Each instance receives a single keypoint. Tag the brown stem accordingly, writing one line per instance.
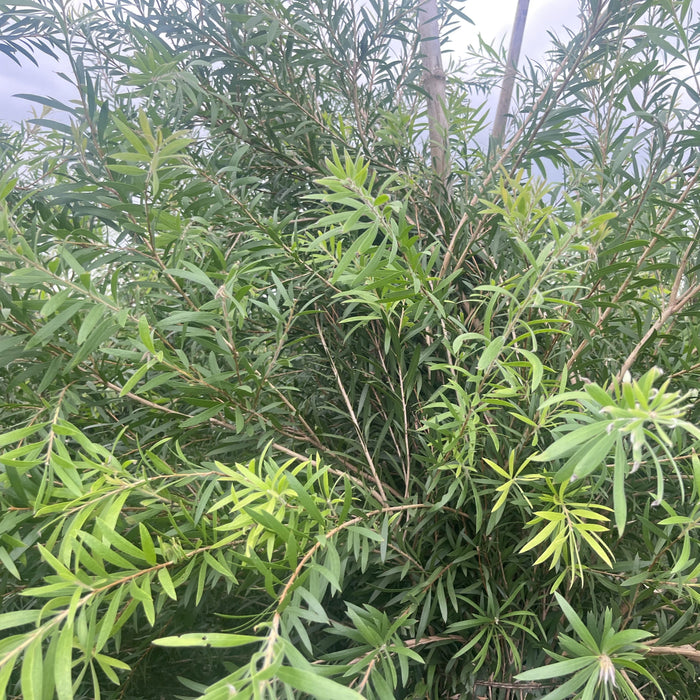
(634, 688)
(674, 306)
(687, 650)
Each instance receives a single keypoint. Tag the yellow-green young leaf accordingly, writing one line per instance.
(596, 545)
(89, 323)
(32, 674)
(589, 514)
(20, 434)
(684, 557)
(496, 468)
(147, 601)
(207, 639)
(9, 566)
(135, 377)
(490, 353)
(555, 515)
(502, 498)
(147, 546)
(145, 334)
(676, 520)
(17, 619)
(316, 685)
(167, 583)
(108, 620)
(619, 500)
(523, 418)
(542, 535)
(63, 664)
(108, 664)
(6, 670)
(553, 550)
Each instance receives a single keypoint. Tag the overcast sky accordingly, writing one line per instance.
(492, 19)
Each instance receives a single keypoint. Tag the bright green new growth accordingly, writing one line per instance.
(284, 415)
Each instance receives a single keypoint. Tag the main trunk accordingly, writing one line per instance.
(434, 83)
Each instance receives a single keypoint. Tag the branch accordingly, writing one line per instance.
(353, 417)
(687, 650)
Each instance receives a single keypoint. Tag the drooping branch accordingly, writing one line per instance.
(516, 40)
(435, 84)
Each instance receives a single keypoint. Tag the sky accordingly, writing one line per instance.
(492, 19)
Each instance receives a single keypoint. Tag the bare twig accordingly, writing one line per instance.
(687, 650)
(353, 417)
(636, 692)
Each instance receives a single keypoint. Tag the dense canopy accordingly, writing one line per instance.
(287, 409)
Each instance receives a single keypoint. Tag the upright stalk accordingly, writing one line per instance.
(516, 40)
(435, 83)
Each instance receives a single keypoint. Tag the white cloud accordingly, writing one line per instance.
(494, 19)
(42, 80)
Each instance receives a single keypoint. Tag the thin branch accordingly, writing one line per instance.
(674, 306)
(353, 417)
(636, 692)
(642, 259)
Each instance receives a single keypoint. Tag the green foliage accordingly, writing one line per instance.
(282, 416)
(599, 666)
